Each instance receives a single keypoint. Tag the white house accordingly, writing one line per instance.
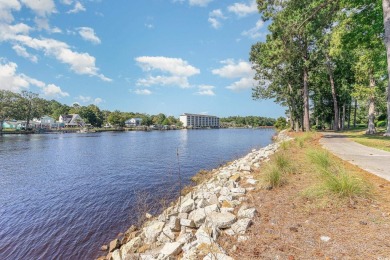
(72, 120)
(133, 122)
(44, 122)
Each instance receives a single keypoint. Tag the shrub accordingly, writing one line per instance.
(381, 124)
(283, 163)
(273, 176)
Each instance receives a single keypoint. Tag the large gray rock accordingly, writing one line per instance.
(174, 224)
(245, 212)
(166, 236)
(116, 255)
(241, 226)
(187, 223)
(187, 206)
(131, 246)
(238, 190)
(198, 216)
(204, 235)
(153, 231)
(211, 208)
(171, 249)
(221, 220)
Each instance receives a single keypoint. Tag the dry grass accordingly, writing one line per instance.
(290, 223)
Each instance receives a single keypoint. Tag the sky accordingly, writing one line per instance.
(147, 56)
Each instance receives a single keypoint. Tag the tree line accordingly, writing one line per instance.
(28, 105)
(240, 121)
(326, 61)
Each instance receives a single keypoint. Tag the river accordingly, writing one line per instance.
(64, 195)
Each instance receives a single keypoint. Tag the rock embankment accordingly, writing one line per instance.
(189, 229)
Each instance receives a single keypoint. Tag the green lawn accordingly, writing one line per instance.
(377, 141)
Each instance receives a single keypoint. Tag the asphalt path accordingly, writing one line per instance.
(370, 159)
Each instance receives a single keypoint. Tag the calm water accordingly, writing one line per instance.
(63, 196)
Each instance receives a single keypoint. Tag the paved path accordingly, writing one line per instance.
(370, 159)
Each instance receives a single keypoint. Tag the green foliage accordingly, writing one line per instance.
(238, 121)
(381, 124)
(273, 177)
(335, 179)
(275, 173)
(280, 123)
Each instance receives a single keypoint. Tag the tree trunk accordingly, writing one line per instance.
(371, 108)
(1, 126)
(343, 118)
(306, 118)
(334, 95)
(349, 114)
(386, 21)
(354, 114)
(291, 118)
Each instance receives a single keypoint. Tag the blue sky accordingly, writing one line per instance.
(151, 56)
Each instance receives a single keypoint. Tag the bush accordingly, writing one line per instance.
(280, 123)
(335, 179)
(381, 124)
(273, 177)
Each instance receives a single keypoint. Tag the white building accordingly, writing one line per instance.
(72, 120)
(133, 122)
(198, 121)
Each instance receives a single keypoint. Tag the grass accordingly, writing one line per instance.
(335, 179)
(305, 156)
(277, 171)
(376, 141)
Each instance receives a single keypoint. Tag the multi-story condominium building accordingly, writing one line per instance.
(199, 121)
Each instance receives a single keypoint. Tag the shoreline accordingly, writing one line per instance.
(191, 225)
(72, 131)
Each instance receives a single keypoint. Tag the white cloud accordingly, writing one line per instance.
(164, 81)
(78, 7)
(6, 8)
(40, 7)
(84, 99)
(43, 24)
(88, 34)
(254, 32)
(241, 9)
(233, 70)
(176, 71)
(201, 3)
(11, 80)
(149, 25)
(205, 90)
(214, 18)
(173, 66)
(80, 63)
(67, 2)
(52, 90)
(143, 92)
(243, 83)
(22, 52)
(98, 100)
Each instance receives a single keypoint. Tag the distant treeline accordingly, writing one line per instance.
(240, 121)
(27, 105)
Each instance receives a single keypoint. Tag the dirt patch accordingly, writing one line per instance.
(291, 225)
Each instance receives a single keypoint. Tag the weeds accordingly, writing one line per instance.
(335, 179)
(273, 176)
(276, 171)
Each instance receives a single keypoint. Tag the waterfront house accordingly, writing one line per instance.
(133, 122)
(199, 121)
(44, 122)
(72, 120)
(15, 125)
